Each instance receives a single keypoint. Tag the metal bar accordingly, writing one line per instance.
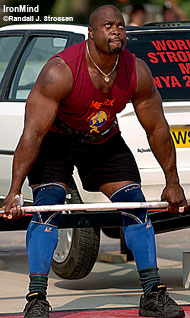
(95, 206)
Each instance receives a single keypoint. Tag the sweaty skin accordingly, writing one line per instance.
(106, 40)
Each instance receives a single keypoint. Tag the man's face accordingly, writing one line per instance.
(109, 32)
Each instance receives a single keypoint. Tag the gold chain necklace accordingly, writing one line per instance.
(106, 78)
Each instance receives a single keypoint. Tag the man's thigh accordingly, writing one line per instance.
(54, 162)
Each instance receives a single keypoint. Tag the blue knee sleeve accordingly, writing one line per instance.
(138, 230)
(131, 193)
(52, 193)
(41, 241)
(42, 233)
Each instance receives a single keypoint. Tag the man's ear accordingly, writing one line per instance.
(90, 32)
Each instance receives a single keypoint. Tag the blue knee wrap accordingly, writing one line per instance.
(42, 233)
(131, 193)
(52, 193)
(138, 230)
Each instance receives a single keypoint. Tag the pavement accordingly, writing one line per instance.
(109, 285)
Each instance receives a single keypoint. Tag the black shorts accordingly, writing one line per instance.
(111, 161)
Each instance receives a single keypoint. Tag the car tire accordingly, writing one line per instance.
(77, 248)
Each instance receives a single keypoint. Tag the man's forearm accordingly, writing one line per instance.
(25, 155)
(162, 146)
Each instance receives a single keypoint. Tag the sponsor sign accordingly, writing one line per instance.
(168, 56)
(181, 137)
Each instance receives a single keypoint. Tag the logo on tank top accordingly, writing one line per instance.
(98, 119)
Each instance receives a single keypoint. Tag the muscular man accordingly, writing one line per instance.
(71, 120)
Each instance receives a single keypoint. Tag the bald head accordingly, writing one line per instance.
(107, 30)
(102, 13)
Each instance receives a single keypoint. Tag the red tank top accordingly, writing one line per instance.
(86, 108)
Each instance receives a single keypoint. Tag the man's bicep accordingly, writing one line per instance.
(150, 113)
(40, 112)
(147, 100)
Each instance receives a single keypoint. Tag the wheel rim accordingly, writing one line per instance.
(64, 245)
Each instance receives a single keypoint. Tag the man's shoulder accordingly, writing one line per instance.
(128, 59)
